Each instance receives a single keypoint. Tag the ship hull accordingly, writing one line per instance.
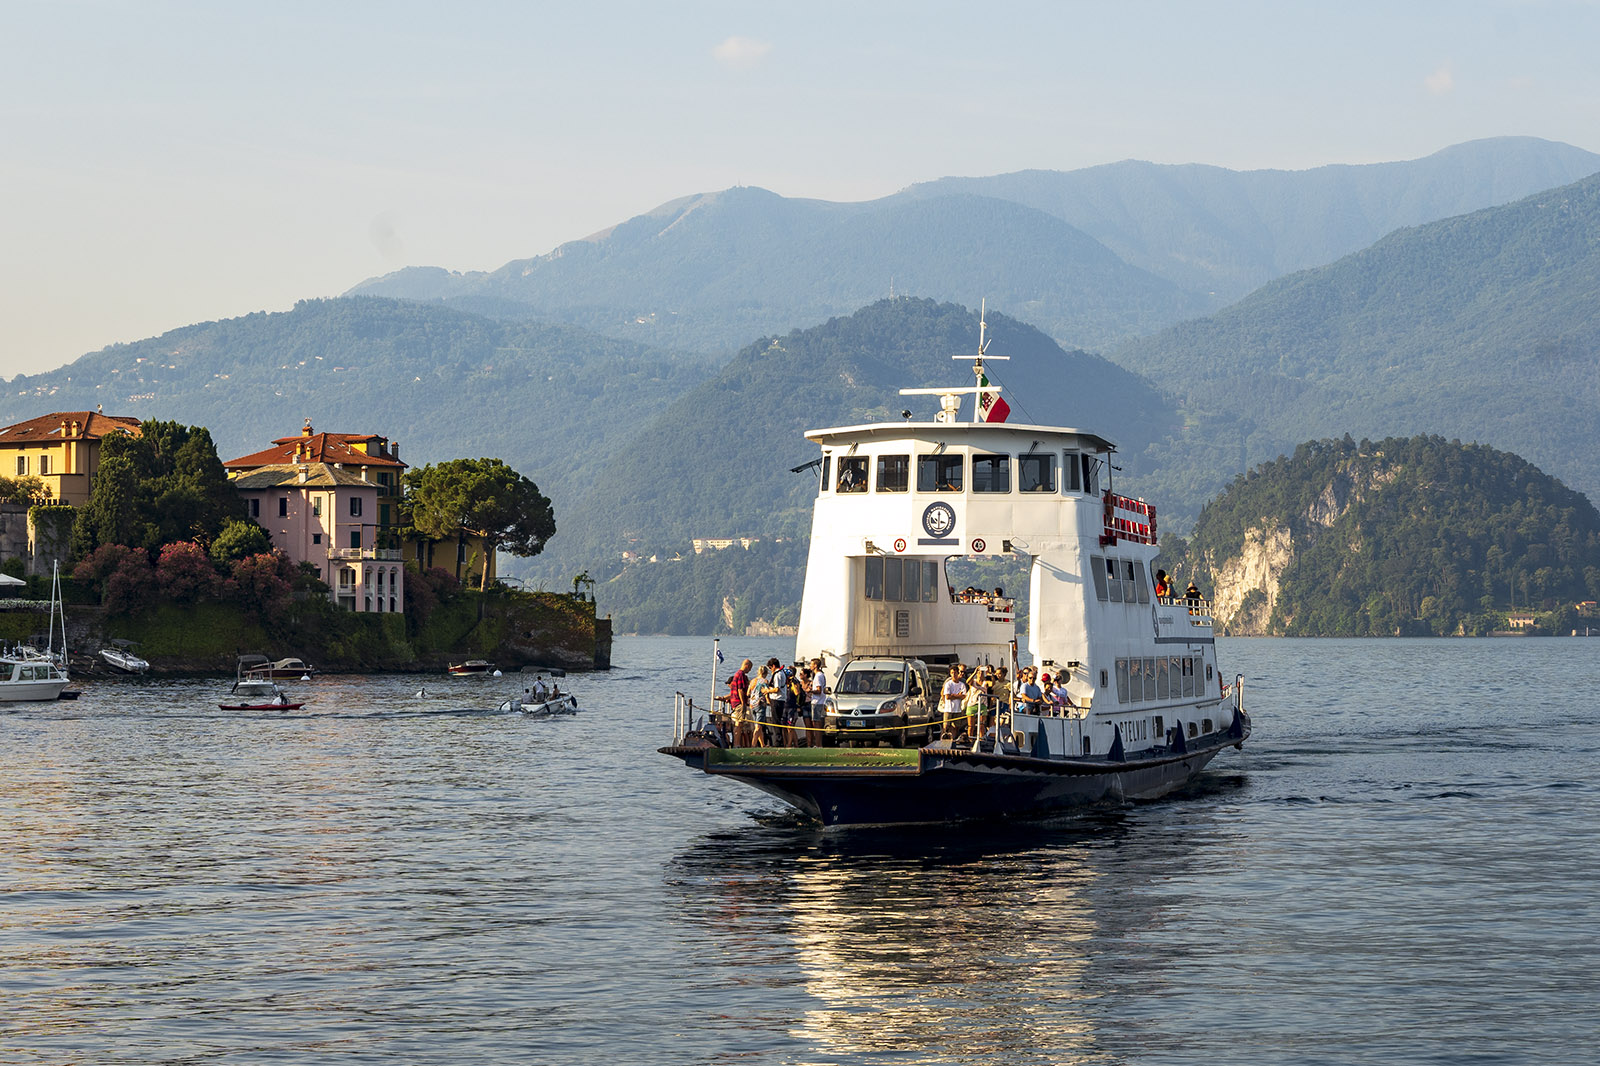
(934, 785)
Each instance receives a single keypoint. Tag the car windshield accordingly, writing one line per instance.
(872, 683)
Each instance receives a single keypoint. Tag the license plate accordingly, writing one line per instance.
(851, 724)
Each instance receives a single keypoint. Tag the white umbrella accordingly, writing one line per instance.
(7, 579)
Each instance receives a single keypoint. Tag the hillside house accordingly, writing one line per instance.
(325, 515)
(62, 449)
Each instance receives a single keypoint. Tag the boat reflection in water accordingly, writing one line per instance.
(1043, 943)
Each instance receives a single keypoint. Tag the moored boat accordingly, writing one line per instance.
(470, 668)
(120, 656)
(279, 670)
(27, 678)
(1142, 707)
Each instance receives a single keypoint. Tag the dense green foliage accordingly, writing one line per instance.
(1406, 536)
(1483, 327)
(483, 497)
(162, 486)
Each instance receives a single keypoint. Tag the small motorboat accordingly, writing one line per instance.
(565, 703)
(470, 668)
(120, 656)
(259, 694)
(282, 669)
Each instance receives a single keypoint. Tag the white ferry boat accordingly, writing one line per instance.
(1147, 707)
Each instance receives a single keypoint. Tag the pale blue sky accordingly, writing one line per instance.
(163, 163)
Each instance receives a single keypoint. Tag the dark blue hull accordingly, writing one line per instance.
(947, 785)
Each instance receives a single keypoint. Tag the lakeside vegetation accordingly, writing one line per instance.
(1405, 536)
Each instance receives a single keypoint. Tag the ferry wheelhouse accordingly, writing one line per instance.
(1147, 708)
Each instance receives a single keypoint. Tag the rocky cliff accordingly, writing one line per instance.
(1405, 536)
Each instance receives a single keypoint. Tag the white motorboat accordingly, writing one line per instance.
(548, 707)
(27, 676)
(120, 656)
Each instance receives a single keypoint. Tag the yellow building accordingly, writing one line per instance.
(61, 449)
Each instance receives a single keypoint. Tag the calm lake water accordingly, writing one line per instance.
(1401, 867)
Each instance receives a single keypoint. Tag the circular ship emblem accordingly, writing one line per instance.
(939, 519)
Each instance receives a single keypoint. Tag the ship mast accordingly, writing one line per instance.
(950, 398)
(981, 384)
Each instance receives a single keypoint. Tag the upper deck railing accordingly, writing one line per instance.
(1128, 519)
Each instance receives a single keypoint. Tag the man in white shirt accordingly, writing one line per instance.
(952, 695)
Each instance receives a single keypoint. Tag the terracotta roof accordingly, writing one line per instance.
(319, 448)
(318, 476)
(46, 429)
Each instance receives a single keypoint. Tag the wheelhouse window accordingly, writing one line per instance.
(827, 468)
(1080, 473)
(939, 473)
(991, 473)
(894, 473)
(1036, 473)
(852, 473)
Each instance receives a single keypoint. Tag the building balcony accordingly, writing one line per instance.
(381, 555)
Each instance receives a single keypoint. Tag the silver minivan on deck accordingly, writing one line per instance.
(881, 700)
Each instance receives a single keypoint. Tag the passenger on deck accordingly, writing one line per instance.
(1192, 594)
(1059, 698)
(755, 703)
(777, 702)
(976, 701)
(818, 690)
(1028, 695)
(952, 696)
(1163, 586)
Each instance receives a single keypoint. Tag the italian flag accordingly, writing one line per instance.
(991, 405)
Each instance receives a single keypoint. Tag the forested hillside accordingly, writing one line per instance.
(445, 384)
(1404, 536)
(717, 462)
(1483, 327)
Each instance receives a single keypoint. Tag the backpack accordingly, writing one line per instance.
(797, 695)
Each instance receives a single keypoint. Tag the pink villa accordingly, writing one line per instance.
(331, 500)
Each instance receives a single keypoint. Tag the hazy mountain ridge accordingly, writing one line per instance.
(1112, 252)
(1482, 327)
(714, 270)
(1211, 229)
